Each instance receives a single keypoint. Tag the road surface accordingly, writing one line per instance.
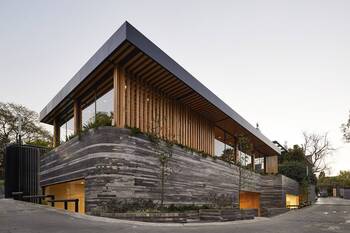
(328, 215)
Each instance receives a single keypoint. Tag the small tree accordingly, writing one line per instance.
(244, 147)
(164, 152)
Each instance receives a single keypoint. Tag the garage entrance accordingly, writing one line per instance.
(249, 200)
(68, 190)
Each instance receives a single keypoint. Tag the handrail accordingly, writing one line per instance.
(19, 194)
(40, 197)
(65, 201)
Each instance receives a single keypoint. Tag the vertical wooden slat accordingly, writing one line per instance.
(138, 92)
(119, 97)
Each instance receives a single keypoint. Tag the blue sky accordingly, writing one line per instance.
(284, 64)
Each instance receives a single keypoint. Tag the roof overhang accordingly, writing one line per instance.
(128, 34)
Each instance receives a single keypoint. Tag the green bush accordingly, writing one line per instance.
(101, 119)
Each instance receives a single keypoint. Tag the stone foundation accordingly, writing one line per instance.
(123, 171)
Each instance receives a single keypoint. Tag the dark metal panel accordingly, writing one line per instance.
(22, 169)
(107, 49)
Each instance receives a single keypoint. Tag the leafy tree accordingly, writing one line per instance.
(344, 178)
(294, 164)
(31, 130)
(345, 127)
(293, 169)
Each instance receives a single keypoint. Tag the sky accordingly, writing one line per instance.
(283, 64)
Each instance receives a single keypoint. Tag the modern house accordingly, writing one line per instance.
(132, 85)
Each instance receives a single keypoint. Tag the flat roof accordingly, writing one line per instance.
(128, 33)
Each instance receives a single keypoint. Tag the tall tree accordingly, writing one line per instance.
(316, 148)
(345, 127)
(31, 130)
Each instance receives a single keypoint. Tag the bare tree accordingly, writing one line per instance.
(316, 148)
(346, 130)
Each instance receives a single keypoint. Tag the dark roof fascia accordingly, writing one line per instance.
(102, 53)
(129, 33)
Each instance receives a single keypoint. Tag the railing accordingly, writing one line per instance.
(19, 196)
(65, 201)
(39, 197)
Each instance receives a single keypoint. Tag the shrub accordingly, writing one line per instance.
(101, 119)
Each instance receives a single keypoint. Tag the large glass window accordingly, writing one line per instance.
(245, 159)
(219, 147)
(259, 164)
(99, 112)
(88, 115)
(104, 104)
(223, 145)
(67, 130)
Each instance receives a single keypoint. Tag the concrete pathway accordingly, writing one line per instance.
(328, 215)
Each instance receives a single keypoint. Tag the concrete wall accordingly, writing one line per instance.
(119, 167)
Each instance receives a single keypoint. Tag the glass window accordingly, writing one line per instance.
(88, 115)
(219, 147)
(104, 104)
(67, 130)
(259, 164)
(245, 159)
(102, 109)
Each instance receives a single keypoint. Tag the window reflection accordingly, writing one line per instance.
(219, 148)
(259, 164)
(99, 112)
(67, 130)
(104, 104)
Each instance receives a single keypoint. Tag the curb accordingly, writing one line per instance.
(129, 222)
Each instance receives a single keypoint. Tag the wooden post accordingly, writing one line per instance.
(236, 151)
(56, 133)
(77, 116)
(119, 97)
(253, 162)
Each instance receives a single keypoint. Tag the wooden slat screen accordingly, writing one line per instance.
(141, 106)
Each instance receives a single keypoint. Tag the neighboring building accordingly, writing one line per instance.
(130, 81)
(346, 193)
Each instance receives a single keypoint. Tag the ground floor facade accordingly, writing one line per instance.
(111, 169)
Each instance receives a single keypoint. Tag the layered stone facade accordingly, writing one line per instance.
(118, 166)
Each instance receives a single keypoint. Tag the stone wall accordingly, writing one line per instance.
(119, 168)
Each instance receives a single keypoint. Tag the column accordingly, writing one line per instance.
(56, 133)
(119, 97)
(77, 116)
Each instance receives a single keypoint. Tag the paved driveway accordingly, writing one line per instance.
(329, 215)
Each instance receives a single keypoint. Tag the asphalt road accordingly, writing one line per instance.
(328, 215)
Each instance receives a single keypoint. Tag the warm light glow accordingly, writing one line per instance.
(292, 201)
(68, 190)
(249, 200)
